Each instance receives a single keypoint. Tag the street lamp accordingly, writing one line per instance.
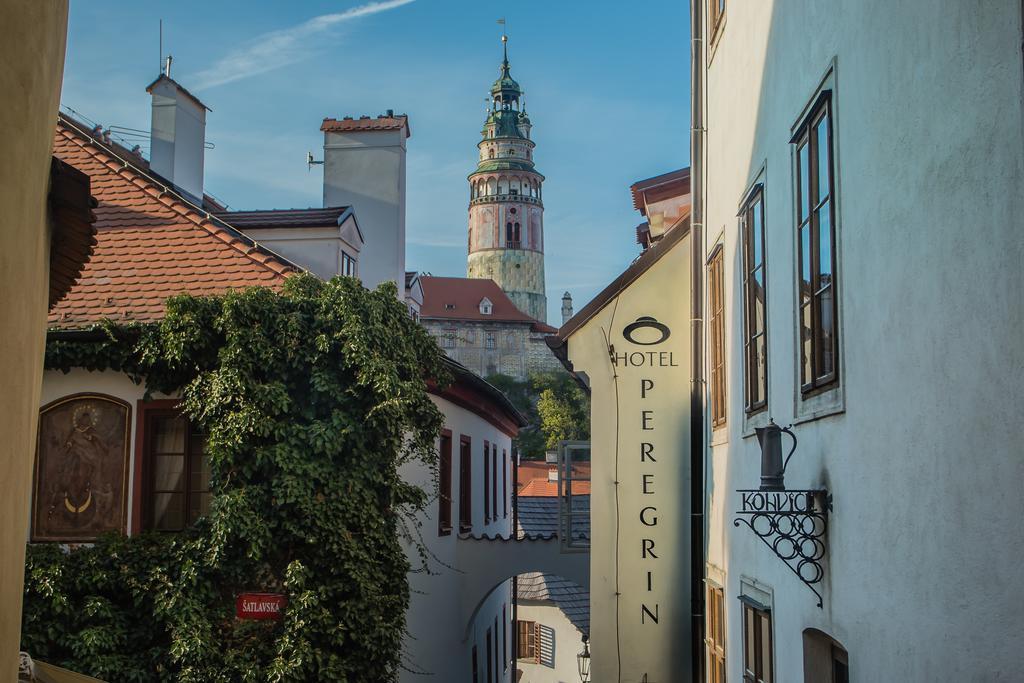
(583, 661)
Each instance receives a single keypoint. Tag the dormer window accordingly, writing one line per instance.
(449, 307)
(485, 306)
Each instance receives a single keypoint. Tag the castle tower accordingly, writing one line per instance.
(506, 214)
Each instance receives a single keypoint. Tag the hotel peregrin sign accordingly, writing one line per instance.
(653, 388)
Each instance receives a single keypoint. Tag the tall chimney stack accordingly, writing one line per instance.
(177, 135)
(364, 168)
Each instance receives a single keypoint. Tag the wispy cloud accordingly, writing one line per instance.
(276, 49)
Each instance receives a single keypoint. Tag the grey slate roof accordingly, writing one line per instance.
(570, 598)
(538, 516)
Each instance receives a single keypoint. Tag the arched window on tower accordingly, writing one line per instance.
(503, 186)
(516, 237)
(490, 153)
(514, 189)
(491, 185)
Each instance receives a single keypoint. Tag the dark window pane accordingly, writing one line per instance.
(826, 313)
(766, 649)
(756, 235)
(198, 505)
(824, 167)
(803, 172)
(168, 473)
(757, 295)
(825, 245)
(806, 373)
(200, 472)
(168, 511)
(169, 435)
(760, 370)
(805, 263)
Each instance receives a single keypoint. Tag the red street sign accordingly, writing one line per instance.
(260, 605)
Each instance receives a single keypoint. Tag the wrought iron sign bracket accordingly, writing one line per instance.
(792, 523)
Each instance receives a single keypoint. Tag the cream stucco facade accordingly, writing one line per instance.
(32, 41)
(639, 378)
(917, 440)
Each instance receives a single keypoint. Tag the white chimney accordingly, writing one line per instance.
(364, 168)
(177, 135)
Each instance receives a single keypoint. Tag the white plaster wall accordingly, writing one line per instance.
(924, 556)
(438, 642)
(366, 170)
(618, 571)
(568, 644)
(316, 249)
(57, 385)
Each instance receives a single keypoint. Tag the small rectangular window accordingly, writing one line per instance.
(444, 485)
(526, 644)
(715, 636)
(494, 482)
(348, 264)
(487, 482)
(716, 325)
(758, 664)
(465, 485)
(489, 341)
(815, 218)
(490, 657)
(755, 287)
(449, 339)
(504, 482)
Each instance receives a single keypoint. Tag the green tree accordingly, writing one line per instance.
(554, 404)
(312, 399)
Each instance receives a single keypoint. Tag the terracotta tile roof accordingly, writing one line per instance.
(458, 298)
(284, 218)
(387, 121)
(533, 479)
(151, 243)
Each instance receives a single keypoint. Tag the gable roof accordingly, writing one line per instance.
(458, 298)
(151, 243)
(659, 187)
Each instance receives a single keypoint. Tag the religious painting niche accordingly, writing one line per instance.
(81, 469)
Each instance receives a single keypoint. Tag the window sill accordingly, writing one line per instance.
(720, 434)
(820, 404)
(752, 421)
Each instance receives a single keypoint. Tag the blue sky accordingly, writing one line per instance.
(607, 88)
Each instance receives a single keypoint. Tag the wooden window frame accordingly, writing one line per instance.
(465, 484)
(487, 482)
(527, 642)
(716, 329)
(715, 635)
(148, 413)
(755, 669)
(818, 380)
(444, 483)
(754, 385)
(716, 16)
